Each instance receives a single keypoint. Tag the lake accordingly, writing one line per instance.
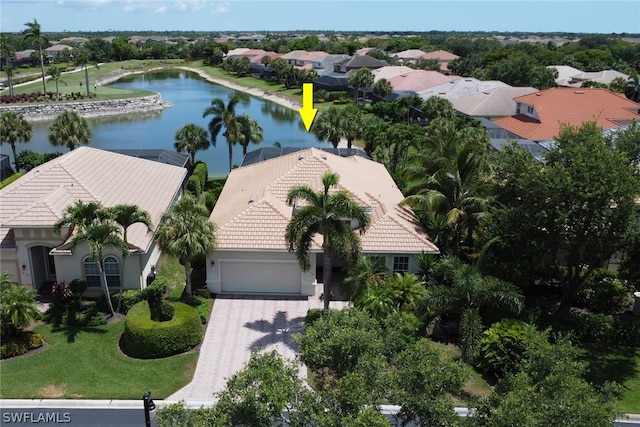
(189, 95)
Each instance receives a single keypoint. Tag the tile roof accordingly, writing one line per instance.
(556, 106)
(418, 80)
(456, 89)
(410, 54)
(390, 72)
(252, 213)
(495, 102)
(441, 55)
(40, 197)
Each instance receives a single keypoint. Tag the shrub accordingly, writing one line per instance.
(210, 200)
(77, 313)
(203, 308)
(78, 286)
(130, 297)
(194, 186)
(61, 293)
(599, 328)
(147, 339)
(605, 293)
(201, 172)
(20, 344)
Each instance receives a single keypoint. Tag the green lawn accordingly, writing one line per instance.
(86, 363)
(619, 364)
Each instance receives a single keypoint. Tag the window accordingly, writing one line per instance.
(400, 264)
(91, 273)
(529, 109)
(112, 271)
(518, 106)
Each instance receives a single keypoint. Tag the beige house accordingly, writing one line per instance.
(252, 215)
(34, 255)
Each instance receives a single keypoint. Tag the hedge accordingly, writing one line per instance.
(147, 339)
(194, 186)
(201, 172)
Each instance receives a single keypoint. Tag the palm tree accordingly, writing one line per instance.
(9, 72)
(34, 37)
(365, 272)
(250, 132)
(56, 75)
(191, 138)
(83, 60)
(14, 128)
(352, 124)
(186, 233)
(325, 213)
(224, 116)
(125, 216)
(328, 125)
(101, 235)
(6, 51)
(459, 289)
(361, 79)
(632, 90)
(382, 88)
(69, 130)
(80, 215)
(18, 305)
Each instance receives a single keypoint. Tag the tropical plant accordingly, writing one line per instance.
(325, 213)
(456, 288)
(18, 306)
(9, 72)
(55, 74)
(250, 132)
(186, 233)
(14, 128)
(329, 125)
(391, 294)
(352, 124)
(34, 37)
(366, 271)
(382, 88)
(361, 79)
(69, 130)
(125, 216)
(83, 59)
(191, 138)
(224, 116)
(632, 89)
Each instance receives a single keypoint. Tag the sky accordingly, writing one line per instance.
(582, 16)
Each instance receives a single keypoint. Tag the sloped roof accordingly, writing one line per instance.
(390, 72)
(365, 61)
(410, 54)
(557, 106)
(40, 197)
(418, 80)
(496, 102)
(564, 74)
(604, 76)
(252, 213)
(441, 55)
(456, 89)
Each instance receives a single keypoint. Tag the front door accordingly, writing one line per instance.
(43, 266)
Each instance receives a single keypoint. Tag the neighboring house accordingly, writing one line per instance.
(325, 64)
(538, 116)
(303, 60)
(564, 74)
(51, 51)
(76, 40)
(573, 77)
(410, 56)
(460, 88)
(252, 215)
(357, 62)
(34, 255)
(27, 57)
(255, 55)
(419, 80)
(443, 57)
(390, 72)
(493, 103)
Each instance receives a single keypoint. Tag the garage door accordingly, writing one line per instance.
(260, 277)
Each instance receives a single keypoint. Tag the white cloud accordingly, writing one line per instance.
(181, 6)
(161, 9)
(219, 8)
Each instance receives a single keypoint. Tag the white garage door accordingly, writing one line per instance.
(260, 277)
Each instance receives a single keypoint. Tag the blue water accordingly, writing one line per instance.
(189, 95)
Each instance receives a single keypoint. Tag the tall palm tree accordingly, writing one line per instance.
(125, 216)
(9, 72)
(69, 130)
(101, 235)
(329, 125)
(14, 128)
(382, 88)
(186, 233)
(55, 73)
(224, 116)
(83, 59)
(459, 289)
(324, 213)
(250, 132)
(632, 90)
(361, 79)
(34, 37)
(6, 51)
(352, 124)
(191, 138)
(80, 215)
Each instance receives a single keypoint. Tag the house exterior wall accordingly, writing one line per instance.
(9, 262)
(27, 238)
(214, 279)
(413, 267)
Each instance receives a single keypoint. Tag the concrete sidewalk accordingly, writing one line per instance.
(240, 325)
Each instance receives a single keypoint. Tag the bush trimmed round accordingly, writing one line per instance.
(147, 339)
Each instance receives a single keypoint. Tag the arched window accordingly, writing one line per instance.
(112, 271)
(91, 272)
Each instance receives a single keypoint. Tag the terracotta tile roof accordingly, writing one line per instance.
(553, 107)
(410, 54)
(251, 212)
(40, 197)
(441, 55)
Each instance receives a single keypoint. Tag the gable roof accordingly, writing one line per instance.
(556, 106)
(418, 80)
(410, 54)
(441, 55)
(252, 213)
(456, 89)
(40, 197)
(494, 102)
(365, 61)
(390, 71)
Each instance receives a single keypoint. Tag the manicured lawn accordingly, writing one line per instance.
(169, 268)
(619, 364)
(86, 363)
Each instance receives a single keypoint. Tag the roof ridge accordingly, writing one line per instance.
(252, 206)
(401, 225)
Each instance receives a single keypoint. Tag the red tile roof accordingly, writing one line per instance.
(553, 107)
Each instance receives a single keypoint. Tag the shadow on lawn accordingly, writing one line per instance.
(71, 332)
(606, 363)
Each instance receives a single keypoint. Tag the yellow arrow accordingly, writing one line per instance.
(307, 112)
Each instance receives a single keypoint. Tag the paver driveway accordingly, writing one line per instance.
(238, 326)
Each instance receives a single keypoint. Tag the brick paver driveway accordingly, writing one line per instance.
(238, 326)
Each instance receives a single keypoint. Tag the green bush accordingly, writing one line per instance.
(130, 297)
(147, 339)
(194, 186)
(203, 308)
(76, 313)
(605, 293)
(600, 328)
(210, 200)
(78, 286)
(201, 172)
(20, 344)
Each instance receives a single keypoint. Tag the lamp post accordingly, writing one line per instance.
(149, 407)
